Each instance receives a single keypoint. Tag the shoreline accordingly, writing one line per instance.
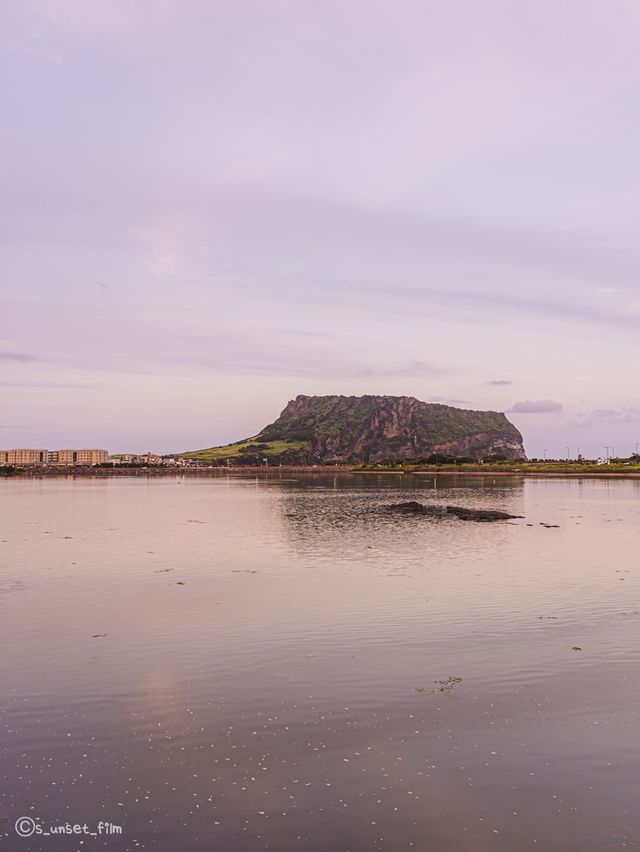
(165, 470)
(535, 473)
(333, 470)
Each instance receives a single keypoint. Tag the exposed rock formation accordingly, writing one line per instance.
(369, 429)
(461, 512)
(377, 428)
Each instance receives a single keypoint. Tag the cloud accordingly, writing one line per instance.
(16, 357)
(44, 384)
(442, 400)
(535, 406)
(413, 368)
(183, 342)
(608, 415)
(567, 313)
(499, 382)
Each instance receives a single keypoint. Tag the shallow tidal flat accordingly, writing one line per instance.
(281, 663)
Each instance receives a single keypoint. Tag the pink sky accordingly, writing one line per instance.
(210, 208)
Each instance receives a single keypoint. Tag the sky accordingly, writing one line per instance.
(209, 208)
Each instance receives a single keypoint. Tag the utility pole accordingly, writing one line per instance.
(545, 454)
(568, 453)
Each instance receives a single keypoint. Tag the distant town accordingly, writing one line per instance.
(81, 458)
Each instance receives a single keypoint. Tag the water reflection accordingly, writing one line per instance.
(255, 664)
(353, 508)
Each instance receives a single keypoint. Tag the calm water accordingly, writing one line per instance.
(244, 665)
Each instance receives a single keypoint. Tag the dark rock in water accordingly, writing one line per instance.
(412, 507)
(480, 514)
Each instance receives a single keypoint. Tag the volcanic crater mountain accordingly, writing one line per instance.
(371, 429)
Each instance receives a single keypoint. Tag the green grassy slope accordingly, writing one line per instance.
(249, 451)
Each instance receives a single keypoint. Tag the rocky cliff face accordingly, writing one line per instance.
(378, 428)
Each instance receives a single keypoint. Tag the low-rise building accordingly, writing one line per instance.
(61, 456)
(26, 457)
(31, 457)
(141, 458)
(129, 458)
(153, 458)
(91, 456)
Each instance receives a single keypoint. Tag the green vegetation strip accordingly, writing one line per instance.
(250, 446)
(502, 467)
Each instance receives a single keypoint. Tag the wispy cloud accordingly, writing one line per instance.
(535, 406)
(16, 357)
(469, 301)
(45, 384)
(182, 342)
(608, 415)
(499, 382)
(443, 400)
(410, 369)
